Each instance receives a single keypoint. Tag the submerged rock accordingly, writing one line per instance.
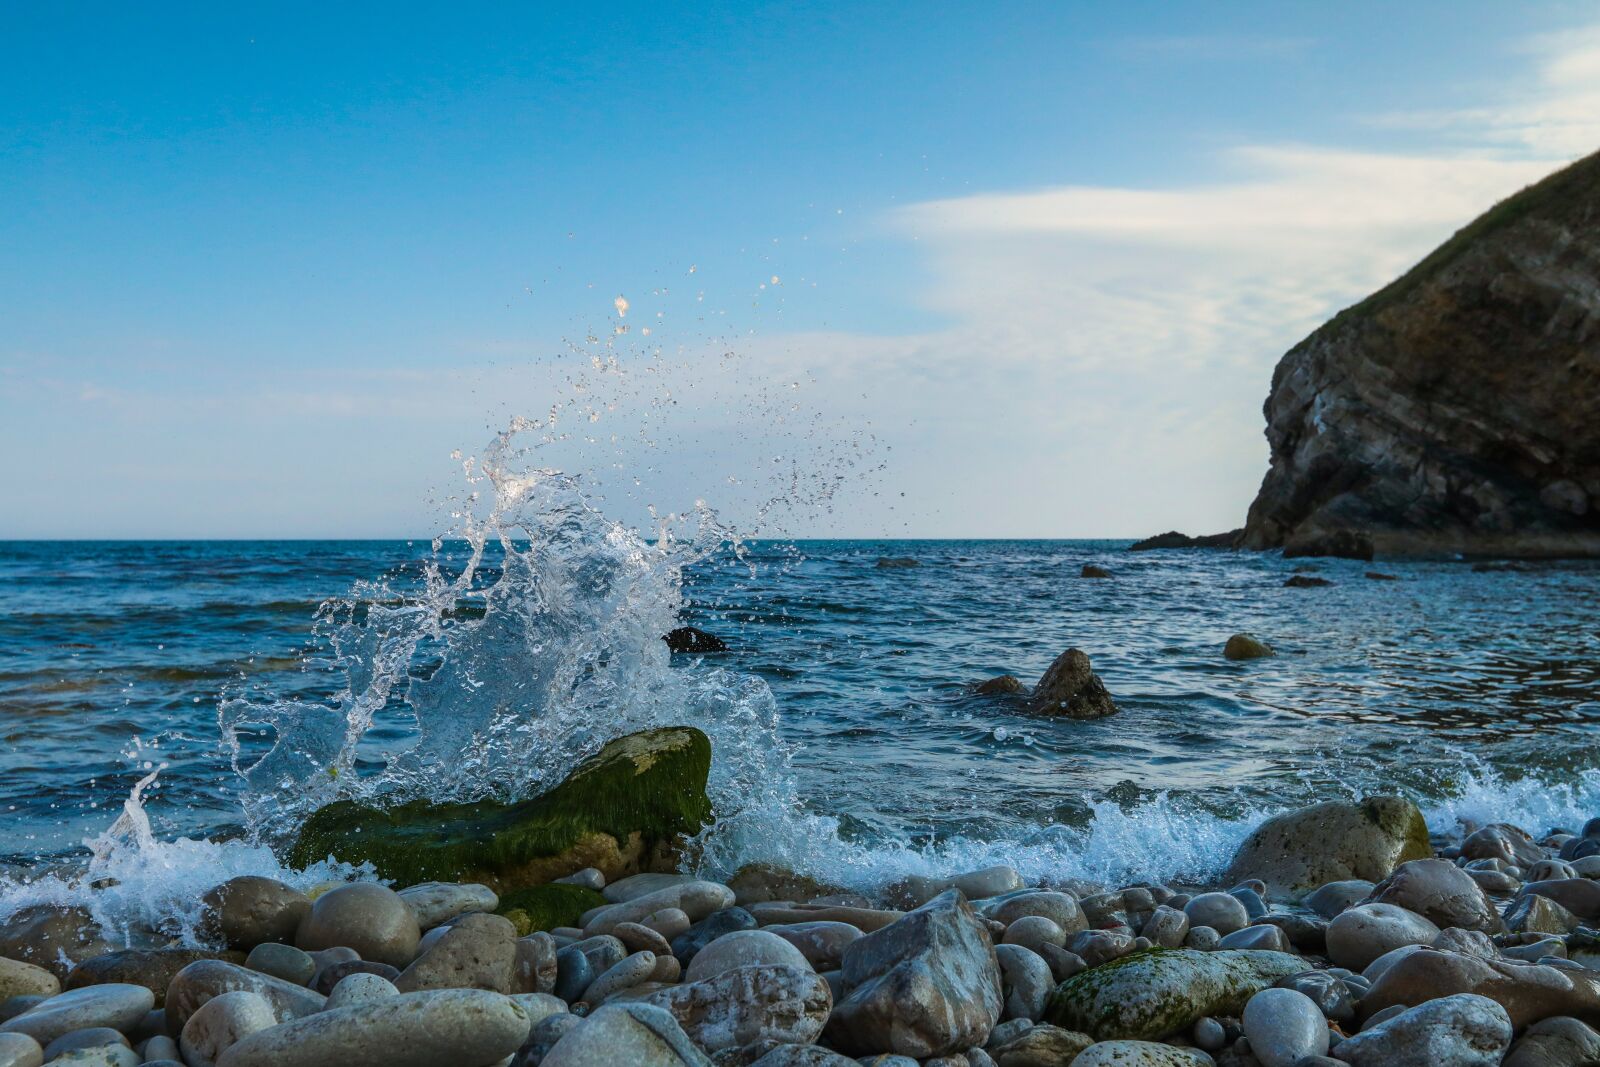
(1162, 991)
(690, 639)
(1298, 851)
(925, 985)
(1005, 683)
(1092, 571)
(1305, 581)
(897, 562)
(1070, 688)
(1246, 646)
(622, 811)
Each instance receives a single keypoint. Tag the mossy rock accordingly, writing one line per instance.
(624, 811)
(545, 907)
(1298, 851)
(1152, 994)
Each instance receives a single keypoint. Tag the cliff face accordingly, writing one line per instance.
(1458, 409)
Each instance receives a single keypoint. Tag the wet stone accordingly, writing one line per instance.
(282, 961)
(119, 1006)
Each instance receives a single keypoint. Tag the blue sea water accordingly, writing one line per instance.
(1477, 692)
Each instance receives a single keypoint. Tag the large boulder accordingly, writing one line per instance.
(926, 985)
(1457, 410)
(1298, 851)
(750, 1004)
(623, 811)
(1070, 688)
(1151, 994)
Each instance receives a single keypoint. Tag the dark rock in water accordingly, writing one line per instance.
(1174, 539)
(896, 562)
(1306, 581)
(1457, 410)
(1379, 576)
(1499, 566)
(689, 639)
(1091, 571)
(1246, 646)
(52, 936)
(152, 968)
(1072, 689)
(623, 811)
(1006, 683)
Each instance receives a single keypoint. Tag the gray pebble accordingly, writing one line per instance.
(282, 961)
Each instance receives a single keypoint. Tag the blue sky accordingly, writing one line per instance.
(264, 270)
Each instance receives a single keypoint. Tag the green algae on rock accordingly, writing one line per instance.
(1161, 991)
(545, 907)
(623, 811)
(1298, 851)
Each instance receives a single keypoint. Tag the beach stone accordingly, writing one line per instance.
(543, 1037)
(1440, 892)
(926, 985)
(152, 968)
(803, 1056)
(540, 1006)
(1025, 982)
(822, 944)
(1327, 991)
(574, 972)
(99, 1056)
(1549, 871)
(1166, 927)
(1246, 646)
(589, 878)
(20, 1050)
(1162, 991)
(1040, 1046)
(359, 988)
(602, 951)
(636, 937)
(668, 922)
(1060, 908)
(364, 916)
(1139, 1054)
(250, 910)
(1556, 1042)
(1502, 841)
(1580, 896)
(1202, 938)
(639, 1035)
(221, 1022)
(743, 948)
(1298, 851)
(1095, 947)
(1265, 936)
(327, 957)
(280, 961)
(533, 966)
(1527, 991)
(750, 1004)
(52, 936)
(328, 977)
(1070, 688)
(434, 903)
(624, 974)
(118, 1005)
(160, 1047)
(1330, 898)
(1361, 934)
(93, 1037)
(1467, 942)
(477, 952)
(1284, 1026)
(11, 1007)
(727, 921)
(422, 1029)
(1494, 882)
(1063, 964)
(642, 885)
(695, 899)
(1220, 911)
(987, 882)
(864, 919)
(1304, 933)
(1461, 1030)
(19, 979)
(1031, 931)
(202, 980)
(624, 810)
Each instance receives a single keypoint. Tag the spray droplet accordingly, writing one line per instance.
(621, 303)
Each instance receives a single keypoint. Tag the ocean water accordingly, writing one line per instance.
(255, 679)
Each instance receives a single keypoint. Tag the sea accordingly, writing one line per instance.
(171, 709)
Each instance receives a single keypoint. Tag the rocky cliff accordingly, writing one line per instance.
(1458, 409)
